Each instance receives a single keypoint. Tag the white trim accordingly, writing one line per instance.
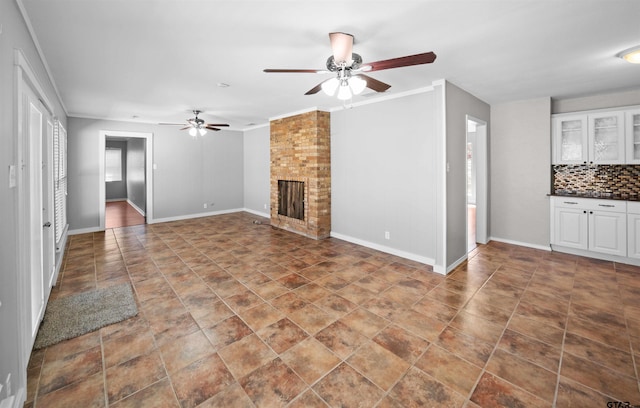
(300, 112)
(115, 200)
(198, 215)
(482, 179)
(596, 255)
(102, 137)
(258, 213)
(382, 248)
(440, 263)
(456, 263)
(520, 243)
(253, 127)
(36, 43)
(85, 230)
(135, 207)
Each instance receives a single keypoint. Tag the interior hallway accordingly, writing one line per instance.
(234, 314)
(121, 214)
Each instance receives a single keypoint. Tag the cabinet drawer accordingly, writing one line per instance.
(590, 204)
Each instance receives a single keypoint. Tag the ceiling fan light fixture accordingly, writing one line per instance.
(357, 85)
(344, 92)
(193, 132)
(631, 55)
(202, 131)
(329, 86)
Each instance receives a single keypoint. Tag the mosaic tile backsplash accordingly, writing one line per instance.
(618, 181)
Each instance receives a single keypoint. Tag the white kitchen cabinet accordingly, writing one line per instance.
(632, 133)
(633, 230)
(590, 224)
(606, 138)
(571, 227)
(570, 139)
(594, 137)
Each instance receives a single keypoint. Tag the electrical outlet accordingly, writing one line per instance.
(205, 205)
(387, 235)
(265, 206)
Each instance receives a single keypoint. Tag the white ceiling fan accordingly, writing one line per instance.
(198, 126)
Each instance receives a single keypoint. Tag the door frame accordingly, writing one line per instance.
(102, 139)
(482, 179)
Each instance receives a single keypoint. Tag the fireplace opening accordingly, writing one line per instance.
(291, 199)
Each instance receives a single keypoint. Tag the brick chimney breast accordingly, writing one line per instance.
(301, 151)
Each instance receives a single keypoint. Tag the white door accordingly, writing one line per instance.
(571, 228)
(48, 238)
(608, 232)
(31, 181)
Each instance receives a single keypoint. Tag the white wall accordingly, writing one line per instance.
(459, 104)
(609, 100)
(190, 171)
(520, 172)
(383, 175)
(15, 35)
(257, 170)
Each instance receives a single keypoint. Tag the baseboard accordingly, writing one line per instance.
(597, 255)
(386, 249)
(519, 243)
(198, 215)
(135, 207)
(84, 230)
(456, 263)
(115, 200)
(258, 213)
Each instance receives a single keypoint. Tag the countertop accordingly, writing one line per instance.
(598, 195)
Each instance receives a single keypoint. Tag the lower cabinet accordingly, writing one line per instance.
(633, 230)
(590, 224)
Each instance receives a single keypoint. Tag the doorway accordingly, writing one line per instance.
(476, 185)
(128, 179)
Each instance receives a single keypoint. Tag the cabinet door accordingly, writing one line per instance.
(633, 235)
(570, 228)
(608, 232)
(632, 121)
(606, 138)
(570, 139)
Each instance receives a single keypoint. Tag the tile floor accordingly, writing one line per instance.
(234, 314)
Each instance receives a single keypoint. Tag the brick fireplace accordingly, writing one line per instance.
(301, 152)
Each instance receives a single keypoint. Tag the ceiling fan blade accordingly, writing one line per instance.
(374, 84)
(217, 124)
(172, 124)
(186, 127)
(417, 59)
(212, 128)
(295, 71)
(342, 47)
(315, 89)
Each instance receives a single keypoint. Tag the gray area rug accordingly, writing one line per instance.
(72, 316)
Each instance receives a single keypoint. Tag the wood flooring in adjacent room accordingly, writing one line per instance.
(121, 214)
(235, 314)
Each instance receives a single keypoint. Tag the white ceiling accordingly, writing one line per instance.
(159, 59)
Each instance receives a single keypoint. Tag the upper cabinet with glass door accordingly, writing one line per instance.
(596, 137)
(606, 138)
(633, 136)
(570, 139)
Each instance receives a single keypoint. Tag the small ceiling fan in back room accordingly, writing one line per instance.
(198, 126)
(349, 69)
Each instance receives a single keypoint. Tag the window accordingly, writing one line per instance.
(113, 164)
(60, 180)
